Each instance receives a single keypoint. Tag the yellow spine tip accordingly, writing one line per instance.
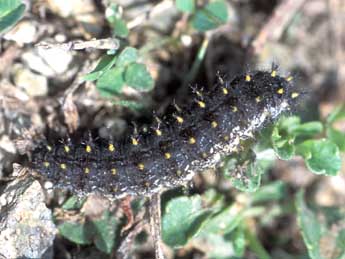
(135, 142)
(179, 119)
(280, 91)
(46, 164)
(258, 99)
(158, 132)
(113, 171)
(225, 91)
(201, 104)
(167, 155)
(290, 78)
(86, 170)
(191, 140)
(294, 95)
(111, 148)
(214, 124)
(248, 78)
(273, 73)
(141, 166)
(63, 166)
(234, 109)
(88, 149)
(67, 149)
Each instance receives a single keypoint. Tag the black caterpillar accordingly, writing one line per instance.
(190, 140)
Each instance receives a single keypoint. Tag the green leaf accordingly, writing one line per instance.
(187, 6)
(105, 63)
(114, 17)
(239, 241)
(270, 192)
(244, 177)
(102, 232)
(138, 77)
(211, 16)
(105, 232)
(111, 82)
(127, 56)
(223, 247)
(282, 137)
(310, 227)
(10, 13)
(283, 144)
(136, 106)
(337, 114)
(120, 28)
(254, 244)
(73, 203)
(224, 221)
(321, 156)
(182, 219)
(324, 238)
(75, 232)
(288, 123)
(337, 137)
(308, 129)
(6, 6)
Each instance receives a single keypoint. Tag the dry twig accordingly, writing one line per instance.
(109, 43)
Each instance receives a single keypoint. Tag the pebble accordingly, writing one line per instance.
(7, 144)
(32, 83)
(48, 62)
(83, 11)
(25, 32)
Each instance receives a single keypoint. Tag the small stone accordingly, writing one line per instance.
(7, 144)
(48, 62)
(24, 32)
(33, 84)
(83, 11)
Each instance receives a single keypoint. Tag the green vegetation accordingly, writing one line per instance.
(211, 219)
(11, 11)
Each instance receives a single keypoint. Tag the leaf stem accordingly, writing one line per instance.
(255, 245)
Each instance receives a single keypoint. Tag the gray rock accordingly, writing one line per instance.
(26, 226)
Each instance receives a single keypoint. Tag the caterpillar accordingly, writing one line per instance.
(191, 139)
